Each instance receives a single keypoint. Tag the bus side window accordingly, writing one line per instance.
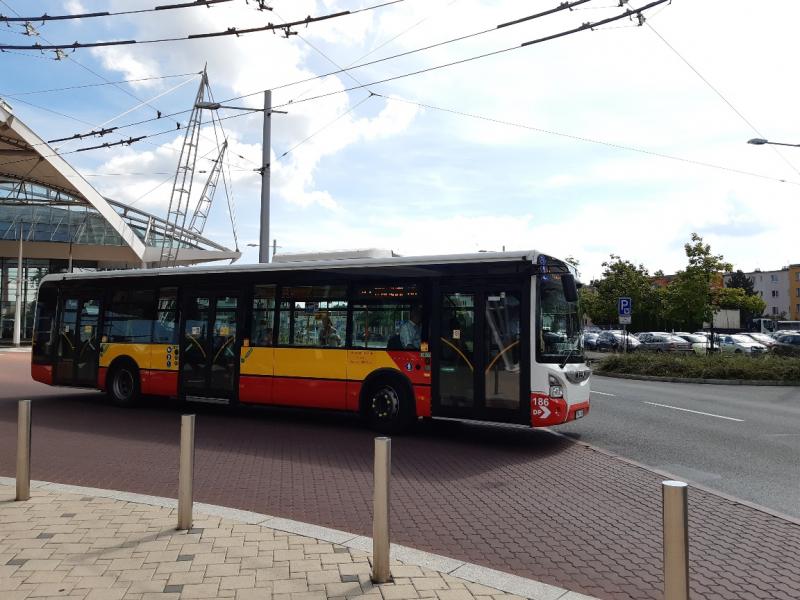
(164, 325)
(263, 316)
(313, 316)
(387, 317)
(129, 316)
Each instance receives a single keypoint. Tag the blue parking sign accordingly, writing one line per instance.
(624, 306)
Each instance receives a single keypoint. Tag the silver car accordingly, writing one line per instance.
(665, 343)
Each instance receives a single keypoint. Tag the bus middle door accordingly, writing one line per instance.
(209, 353)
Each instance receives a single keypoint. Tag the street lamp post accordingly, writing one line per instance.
(263, 251)
(762, 141)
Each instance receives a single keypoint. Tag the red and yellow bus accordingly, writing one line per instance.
(487, 336)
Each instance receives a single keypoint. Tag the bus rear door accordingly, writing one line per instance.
(78, 343)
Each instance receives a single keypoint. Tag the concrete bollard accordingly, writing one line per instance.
(676, 540)
(186, 473)
(24, 450)
(381, 572)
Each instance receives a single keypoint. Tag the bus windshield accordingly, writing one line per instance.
(558, 323)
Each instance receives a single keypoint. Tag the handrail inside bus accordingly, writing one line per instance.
(503, 351)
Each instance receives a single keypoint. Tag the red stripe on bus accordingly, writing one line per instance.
(353, 401)
(42, 373)
(102, 373)
(159, 383)
(414, 366)
(255, 390)
(422, 396)
(310, 393)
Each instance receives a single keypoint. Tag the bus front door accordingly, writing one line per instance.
(209, 353)
(481, 363)
(78, 346)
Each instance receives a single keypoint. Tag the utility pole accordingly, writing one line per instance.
(263, 248)
(18, 305)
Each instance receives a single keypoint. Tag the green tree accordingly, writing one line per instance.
(739, 280)
(622, 278)
(750, 304)
(689, 298)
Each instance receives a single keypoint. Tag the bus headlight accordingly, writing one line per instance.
(556, 387)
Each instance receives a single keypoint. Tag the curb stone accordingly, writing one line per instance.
(763, 382)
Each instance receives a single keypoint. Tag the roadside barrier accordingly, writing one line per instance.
(186, 473)
(381, 572)
(676, 540)
(24, 450)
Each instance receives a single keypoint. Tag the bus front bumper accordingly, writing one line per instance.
(547, 411)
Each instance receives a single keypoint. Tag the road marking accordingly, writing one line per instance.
(603, 393)
(697, 412)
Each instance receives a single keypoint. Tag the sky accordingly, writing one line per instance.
(621, 139)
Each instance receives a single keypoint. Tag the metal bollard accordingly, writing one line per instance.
(24, 450)
(676, 540)
(186, 473)
(381, 572)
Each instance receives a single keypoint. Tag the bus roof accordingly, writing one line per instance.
(341, 263)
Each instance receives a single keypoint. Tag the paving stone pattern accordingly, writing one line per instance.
(114, 550)
(516, 500)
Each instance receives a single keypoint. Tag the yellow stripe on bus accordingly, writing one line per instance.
(147, 356)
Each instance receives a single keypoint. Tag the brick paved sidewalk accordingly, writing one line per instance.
(60, 545)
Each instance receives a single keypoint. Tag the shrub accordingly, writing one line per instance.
(716, 366)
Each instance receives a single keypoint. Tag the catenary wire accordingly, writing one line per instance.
(227, 32)
(721, 96)
(589, 140)
(563, 6)
(91, 85)
(45, 17)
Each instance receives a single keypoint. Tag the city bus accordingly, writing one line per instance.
(486, 336)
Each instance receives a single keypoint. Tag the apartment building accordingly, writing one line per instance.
(774, 288)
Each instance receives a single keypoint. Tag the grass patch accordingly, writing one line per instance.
(763, 368)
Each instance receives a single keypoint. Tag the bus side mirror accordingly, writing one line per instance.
(570, 289)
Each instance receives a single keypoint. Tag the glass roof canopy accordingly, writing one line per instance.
(51, 215)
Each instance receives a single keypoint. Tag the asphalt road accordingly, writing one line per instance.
(740, 440)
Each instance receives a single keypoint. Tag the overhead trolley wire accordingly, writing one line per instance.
(285, 27)
(90, 85)
(45, 17)
(563, 6)
(589, 140)
(721, 96)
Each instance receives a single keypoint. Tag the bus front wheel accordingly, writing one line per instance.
(123, 385)
(388, 406)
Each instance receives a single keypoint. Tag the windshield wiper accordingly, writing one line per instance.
(568, 356)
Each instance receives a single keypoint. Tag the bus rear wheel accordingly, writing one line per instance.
(388, 407)
(123, 385)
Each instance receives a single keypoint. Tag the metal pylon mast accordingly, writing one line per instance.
(200, 215)
(182, 186)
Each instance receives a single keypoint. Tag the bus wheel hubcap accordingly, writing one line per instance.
(123, 384)
(385, 403)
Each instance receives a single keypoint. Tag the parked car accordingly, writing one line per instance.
(741, 344)
(762, 338)
(666, 343)
(643, 336)
(788, 340)
(616, 341)
(700, 343)
(590, 340)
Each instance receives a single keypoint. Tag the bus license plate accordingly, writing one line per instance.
(578, 413)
